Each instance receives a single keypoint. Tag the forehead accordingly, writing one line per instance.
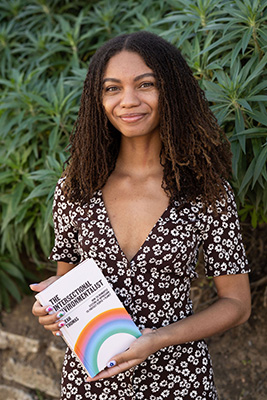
(126, 64)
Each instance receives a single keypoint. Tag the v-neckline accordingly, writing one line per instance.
(113, 232)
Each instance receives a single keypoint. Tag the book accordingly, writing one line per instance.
(97, 325)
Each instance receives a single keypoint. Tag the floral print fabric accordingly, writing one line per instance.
(154, 287)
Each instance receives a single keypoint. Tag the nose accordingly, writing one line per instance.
(129, 98)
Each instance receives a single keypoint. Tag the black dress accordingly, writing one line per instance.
(154, 287)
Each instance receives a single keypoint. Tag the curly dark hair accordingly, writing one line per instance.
(195, 154)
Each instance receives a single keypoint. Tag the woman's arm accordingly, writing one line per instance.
(231, 309)
(49, 321)
(63, 268)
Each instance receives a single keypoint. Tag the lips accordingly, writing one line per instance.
(131, 117)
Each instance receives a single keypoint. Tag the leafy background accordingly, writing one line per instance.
(45, 48)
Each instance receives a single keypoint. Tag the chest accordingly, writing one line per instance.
(170, 245)
(133, 214)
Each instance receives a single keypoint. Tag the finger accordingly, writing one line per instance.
(148, 330)
(109, 372)
(38, 287)
(121, 362)
(57, 333)
(55, 327)
(52, 322)
(39, 310)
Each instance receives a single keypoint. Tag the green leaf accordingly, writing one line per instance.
(257, 71)
(265, 199)
(259, 116)
(235, 53)
(39, 191)
(248, 176)
(16, 195)
(6, 177)
(244, 103)
(257, 98)
(12, 270)
(252, 133)
(240, 126)
(54, 138)
(254, 219)
(10, 286)
(246, 38)
(261, 162)
(236, 151)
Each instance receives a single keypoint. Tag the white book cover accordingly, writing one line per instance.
(97, 326)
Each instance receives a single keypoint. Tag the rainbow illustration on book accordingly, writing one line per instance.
(103, 332)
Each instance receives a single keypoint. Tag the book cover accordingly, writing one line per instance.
(97, 326)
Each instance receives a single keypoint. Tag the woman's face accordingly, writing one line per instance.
(130, 95)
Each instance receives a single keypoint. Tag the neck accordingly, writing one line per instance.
(139, 156)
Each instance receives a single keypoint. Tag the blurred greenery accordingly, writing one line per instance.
(45, 47)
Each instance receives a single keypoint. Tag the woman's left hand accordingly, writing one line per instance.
(138, 352)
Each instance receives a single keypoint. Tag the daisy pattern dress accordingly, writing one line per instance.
(154, 287)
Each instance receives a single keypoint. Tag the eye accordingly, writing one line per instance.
(147, 84)
(110, 89)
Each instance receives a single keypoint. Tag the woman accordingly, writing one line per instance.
(144, 188)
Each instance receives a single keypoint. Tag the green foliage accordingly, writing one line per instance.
(224, 43)
(45, 47)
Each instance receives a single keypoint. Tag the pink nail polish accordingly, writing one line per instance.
(48, 309)
(61, 324)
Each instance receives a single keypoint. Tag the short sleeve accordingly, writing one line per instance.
(66, 247)
(223, 249)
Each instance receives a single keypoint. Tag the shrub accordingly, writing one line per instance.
(45, 48)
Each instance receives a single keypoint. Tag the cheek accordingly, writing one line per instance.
(153, 101)
(157, 101)
(108, 108)
(109, 115)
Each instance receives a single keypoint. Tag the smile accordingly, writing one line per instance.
(131, 117)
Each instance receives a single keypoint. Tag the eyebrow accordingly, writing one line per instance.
(137, 78)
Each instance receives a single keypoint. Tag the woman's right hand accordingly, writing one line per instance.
(49, 319)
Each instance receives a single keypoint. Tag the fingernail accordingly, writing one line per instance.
(61, 324)
(58, 333)
(60, 314)
(32, 286)
(111, 363)
(48, 309)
